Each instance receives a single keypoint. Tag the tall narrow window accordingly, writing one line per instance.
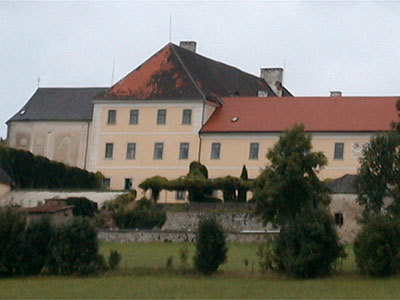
(184, 151)
(112, 116)
(161, 116)
(134, 117)
(106, 182)
(180, 195)
(158, 150)
(339, 219)
(131, 151)
(339, 149)
(128, 184)
(253, 154)
(187, 117)
(215, 150)
(109, 150)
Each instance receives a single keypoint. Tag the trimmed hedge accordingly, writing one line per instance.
(31, 171)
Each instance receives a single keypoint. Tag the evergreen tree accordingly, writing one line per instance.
(242, 191)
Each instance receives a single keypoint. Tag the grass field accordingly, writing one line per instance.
(143, 274)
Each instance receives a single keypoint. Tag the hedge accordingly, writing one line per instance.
(38, 172)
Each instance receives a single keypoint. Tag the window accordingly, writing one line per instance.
(215, 150)
(109, 150)
(128, 184)
(184, 151)
(134, 117)
(112, 116)
(339, 219)
(158, 150)
(161, 116)
(180, 195)
(187, 117)
(131, 151)
(339, 148)
(253, 154)
(106, 182)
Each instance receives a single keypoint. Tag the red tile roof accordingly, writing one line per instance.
(176, 73)
(318, 114)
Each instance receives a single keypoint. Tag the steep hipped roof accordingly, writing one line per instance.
(4, 178)
(177, 73)
(318, 114)
(59, 104)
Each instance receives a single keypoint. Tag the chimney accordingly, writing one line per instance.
(273, 77)
(188, 45)
(336, 93)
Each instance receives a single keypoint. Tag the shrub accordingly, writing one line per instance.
(308, 248)
(82, 206)
(75, 249)
(12, 240)
(114, 259)
(156, 184)
(377, 247)
(146, 215)
(37, 250)
(211, 246)
(120, 202)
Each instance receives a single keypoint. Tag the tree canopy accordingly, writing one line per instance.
(289, 184)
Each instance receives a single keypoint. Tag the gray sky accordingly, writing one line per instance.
(349, 46)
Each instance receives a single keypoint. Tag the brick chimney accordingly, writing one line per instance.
(188, 45)
(273, 77)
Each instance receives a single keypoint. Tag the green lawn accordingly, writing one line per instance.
(143, 274)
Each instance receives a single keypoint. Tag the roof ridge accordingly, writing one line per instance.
(186, 70)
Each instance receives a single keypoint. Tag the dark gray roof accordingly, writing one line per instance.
(4, 178)
(343, 185)
(59, 104)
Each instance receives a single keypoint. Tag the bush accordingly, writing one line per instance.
(75, 249)
(146, 215)
(37, 250)
(309, 247)
(377, 247)
(12, 240)
(114, 259)
(211, 246)
(120, 202)
(82, 206)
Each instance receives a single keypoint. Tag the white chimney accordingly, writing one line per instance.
(336, 93)
(273, 77)
(188, 45)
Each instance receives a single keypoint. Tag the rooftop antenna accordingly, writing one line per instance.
(112, 73)
(38, 82)
(170, 28)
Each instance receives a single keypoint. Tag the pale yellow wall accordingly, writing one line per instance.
(61, 141)
(235, 152)
(4, 188)
(145, 135)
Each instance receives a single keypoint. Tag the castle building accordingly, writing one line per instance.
(178, 107)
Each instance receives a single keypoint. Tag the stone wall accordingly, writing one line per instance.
(147, 236)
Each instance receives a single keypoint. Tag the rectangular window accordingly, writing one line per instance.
(134, 117)
(184, 151)
(180, 195)
(339, 219)
(215, 150)
(161, 116)
(158, 150)
(253, 154)
(109, 150)
(339, 149)
(131, 151)
(187, 117)
(128, 184)
(112, 116)
(106, 182)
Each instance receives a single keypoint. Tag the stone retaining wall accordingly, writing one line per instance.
(147, 236)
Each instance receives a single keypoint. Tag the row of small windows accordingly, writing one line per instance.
(158, 151)
(161, 117)
(183, 150)
(215, 150)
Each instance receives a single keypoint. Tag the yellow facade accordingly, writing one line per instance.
(234, 147)
(4, 188)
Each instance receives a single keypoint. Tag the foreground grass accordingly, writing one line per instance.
(143, 274)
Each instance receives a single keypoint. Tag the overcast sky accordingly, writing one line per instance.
(353, 47)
